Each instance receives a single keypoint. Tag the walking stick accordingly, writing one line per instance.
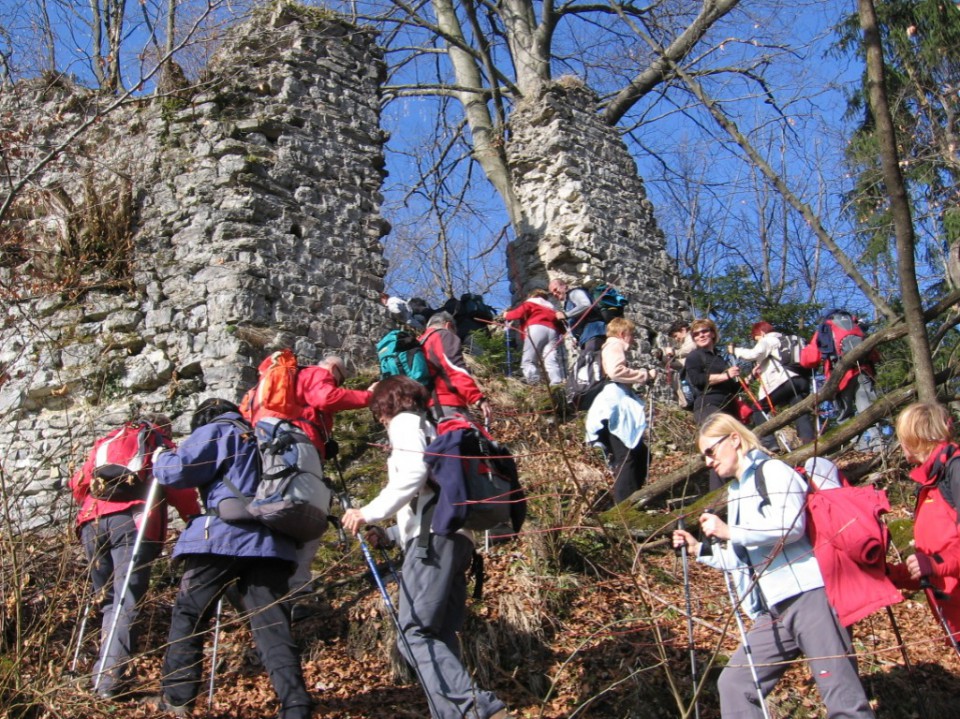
(778, 435)
(81, 633)
(213, 657)
(690, 645)
(134, 558)
(344, 498)
(394, 614)
(506, 336)
(921, 705)
(934, 596)
(748, 653)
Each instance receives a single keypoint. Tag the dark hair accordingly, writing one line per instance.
(677, 326)
(209, 410)
(397, 394)
(160, 421)
(760, 327)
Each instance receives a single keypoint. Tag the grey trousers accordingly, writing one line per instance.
(433, 596)
(108, 543)
(541, 345)
(806, 625)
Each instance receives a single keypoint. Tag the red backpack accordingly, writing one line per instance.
(276, 393)
(123, 461)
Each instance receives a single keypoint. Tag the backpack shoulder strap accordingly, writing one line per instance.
(247, 435)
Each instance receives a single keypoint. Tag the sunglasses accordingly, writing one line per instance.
(711, 451)
(697, 333)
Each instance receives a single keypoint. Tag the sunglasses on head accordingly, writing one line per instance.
(711, 451)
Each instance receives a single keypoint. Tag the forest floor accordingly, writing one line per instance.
(577, 619)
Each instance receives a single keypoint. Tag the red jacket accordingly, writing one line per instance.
(850, 543)
(183, 500)
(454, 386)
(321, 398)
(936, 534)
(535, 311)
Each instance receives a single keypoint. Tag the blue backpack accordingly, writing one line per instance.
(610, 301)
(400, 353)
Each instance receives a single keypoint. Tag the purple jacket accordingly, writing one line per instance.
(212, 451)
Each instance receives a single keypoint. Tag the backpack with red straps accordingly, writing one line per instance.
(123, 461)
(275, 395)
(848, 536)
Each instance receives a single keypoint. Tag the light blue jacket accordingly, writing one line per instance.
(623, 412)
(768, 538)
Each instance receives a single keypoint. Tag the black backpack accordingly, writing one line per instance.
(585, 381)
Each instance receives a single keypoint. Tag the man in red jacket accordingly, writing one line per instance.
(455, 389)
(108, 531)
(320, 394)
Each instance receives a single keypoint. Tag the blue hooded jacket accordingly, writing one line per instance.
(212, 451)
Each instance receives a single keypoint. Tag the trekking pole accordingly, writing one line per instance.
(80, 634)
(213, 656)
(134, 558)
(778, 435)
(748, 653)
(394, 614)
(921, 704)
(682, 550)
(934, 596)
(506, 336)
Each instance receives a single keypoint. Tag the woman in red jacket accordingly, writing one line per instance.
(925, 433)
(541, 337)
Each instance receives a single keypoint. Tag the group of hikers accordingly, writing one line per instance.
(760, 538)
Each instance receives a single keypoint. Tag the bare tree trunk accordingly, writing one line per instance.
(170, 43)
(899, 205)
(96, 41)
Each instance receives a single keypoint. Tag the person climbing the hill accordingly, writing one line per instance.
(433, 588)
(217, 554)
(713, 378)
(779, 385)
(925, 431)
(108, 527)
(454, 388)
(616, 418)
(581, 315)
(541, 337)
(765, 551)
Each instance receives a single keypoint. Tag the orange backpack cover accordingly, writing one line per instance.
(276, 393)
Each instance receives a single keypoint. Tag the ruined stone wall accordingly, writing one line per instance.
(253, 203)
(587, 214)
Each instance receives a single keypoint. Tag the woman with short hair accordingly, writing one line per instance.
(766, 550)
(616, 419)
(779, 386)
(712, 377)
(433, 589)
(925, 431)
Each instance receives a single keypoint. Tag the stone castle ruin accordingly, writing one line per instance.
(185, 235)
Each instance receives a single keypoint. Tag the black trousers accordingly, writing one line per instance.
(260, 582)
(787, 395)
(629, 466)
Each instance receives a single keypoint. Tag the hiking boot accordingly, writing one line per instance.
(160, 703)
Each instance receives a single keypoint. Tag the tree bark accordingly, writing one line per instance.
(899, 205)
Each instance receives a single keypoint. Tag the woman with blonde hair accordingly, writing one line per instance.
(925, 431)
(766, 550)
(616, 419)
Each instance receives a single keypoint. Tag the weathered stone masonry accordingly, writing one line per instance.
(257, 224)
(587, 213)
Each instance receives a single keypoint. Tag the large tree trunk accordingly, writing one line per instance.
(899, 205)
